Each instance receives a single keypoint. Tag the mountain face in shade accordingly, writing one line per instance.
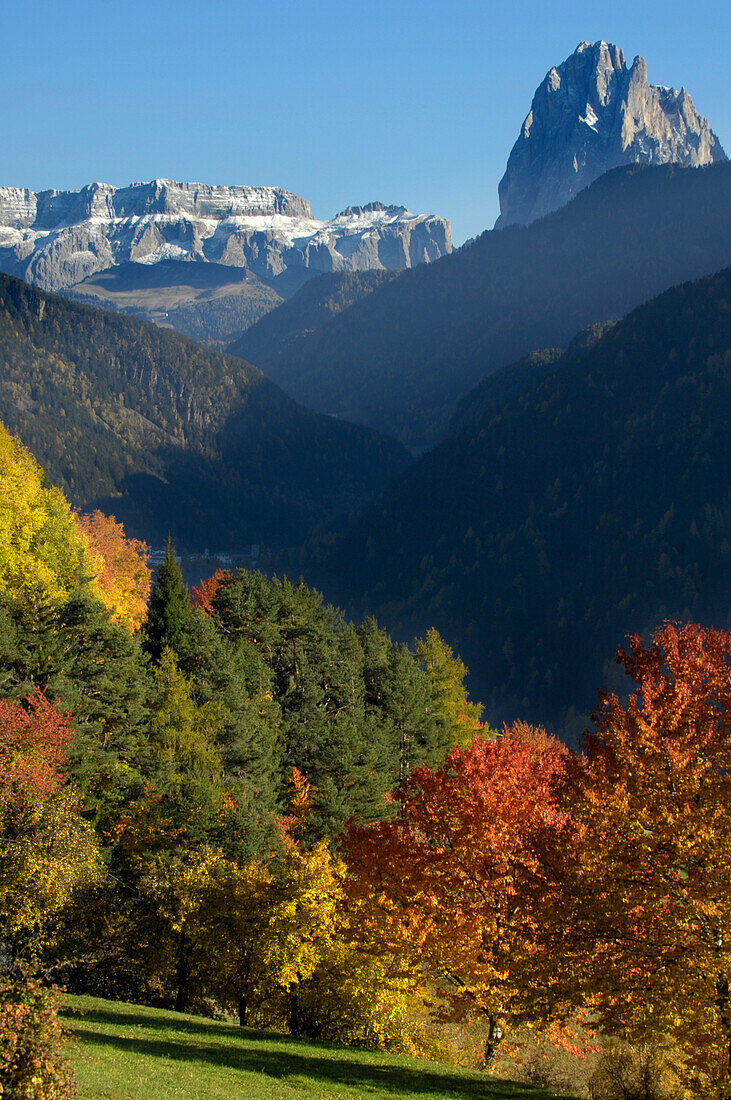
(577, 498)
(173, 437)
(590, 114)
(401, 357)
(57, 239)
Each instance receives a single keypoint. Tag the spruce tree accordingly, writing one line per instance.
(169, 614)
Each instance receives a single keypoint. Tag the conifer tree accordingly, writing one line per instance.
(169, 615)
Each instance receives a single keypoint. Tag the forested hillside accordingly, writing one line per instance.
(314, 304)
(171, 436)
(593, 502)
(401, 358)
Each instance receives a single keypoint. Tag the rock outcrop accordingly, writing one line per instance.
(57, 239)
(589, 115)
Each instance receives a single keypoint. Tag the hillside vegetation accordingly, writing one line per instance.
(170, 436)
(122, 1048)
(593, 502)
(400, 358)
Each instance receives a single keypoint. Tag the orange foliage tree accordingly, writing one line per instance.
(646, 916)
(124, 576)
(455, 881)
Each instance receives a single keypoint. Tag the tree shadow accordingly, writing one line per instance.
(325, 1063)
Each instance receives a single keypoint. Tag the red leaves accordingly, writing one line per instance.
(34, 741)
(452, 878)
(204, 593)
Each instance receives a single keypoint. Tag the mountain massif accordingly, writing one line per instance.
(590, 114)
(264, 242)
(567, 509)
(170, 436)
(401, 357)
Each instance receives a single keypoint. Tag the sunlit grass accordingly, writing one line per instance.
(127, 1052)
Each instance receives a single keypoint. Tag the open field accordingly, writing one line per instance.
(127, 1052)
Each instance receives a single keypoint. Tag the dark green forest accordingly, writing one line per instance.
(187, 735)
(592, 503)
(171, 436)
(400, 358)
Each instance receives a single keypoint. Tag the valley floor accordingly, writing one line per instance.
(128, 1052)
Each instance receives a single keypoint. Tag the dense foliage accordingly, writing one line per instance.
(33, 1064)
(170, 436)
(251, 806)
(400, 358)
(593, 502)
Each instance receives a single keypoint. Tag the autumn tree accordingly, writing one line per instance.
(42, 550)
(46, 849)
(646, 917)
(447, 673)
(453, 881)
(124, 580)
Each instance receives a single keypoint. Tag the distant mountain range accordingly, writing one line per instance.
(170, 436)
(263, 241)
(577, 498)
(590, 114)
(403, 353)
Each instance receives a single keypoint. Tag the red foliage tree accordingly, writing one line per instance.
(34, 743)
(204, 593)
(457, 881)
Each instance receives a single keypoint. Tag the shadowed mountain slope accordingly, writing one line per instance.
(401, 358)
(171, 436)
(592, 503)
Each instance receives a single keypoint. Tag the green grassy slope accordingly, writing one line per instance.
(127, 1052)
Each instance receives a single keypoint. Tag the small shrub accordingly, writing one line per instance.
(647, 1072)
(32, 1064)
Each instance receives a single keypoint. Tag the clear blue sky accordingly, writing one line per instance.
(409, 101)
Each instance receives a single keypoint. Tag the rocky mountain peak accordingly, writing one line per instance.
(57, 239)
(590, 114)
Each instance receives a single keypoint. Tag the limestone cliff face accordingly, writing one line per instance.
(591, 114)
(57, 239)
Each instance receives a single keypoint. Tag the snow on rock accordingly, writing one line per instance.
(56, 238)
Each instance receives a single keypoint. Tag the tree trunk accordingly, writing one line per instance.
(494, 1035)
(182, 974)
(294, 1017)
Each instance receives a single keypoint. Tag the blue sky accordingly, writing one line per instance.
(409, 102)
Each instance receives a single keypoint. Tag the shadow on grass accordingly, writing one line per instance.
(390, 1078)
(159, 1021)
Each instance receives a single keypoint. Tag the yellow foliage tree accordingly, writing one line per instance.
(447, 673)
(42, 550)
(47, 850)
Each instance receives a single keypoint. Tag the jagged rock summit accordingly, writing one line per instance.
(57, 239)
(591, 114)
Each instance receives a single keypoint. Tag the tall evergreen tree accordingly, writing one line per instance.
(169, 614)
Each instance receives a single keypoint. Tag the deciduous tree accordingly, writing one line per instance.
(453, 881)
(646, 922)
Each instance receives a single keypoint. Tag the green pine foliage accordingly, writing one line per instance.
(169, 614)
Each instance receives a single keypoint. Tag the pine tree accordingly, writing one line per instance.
(169, 615)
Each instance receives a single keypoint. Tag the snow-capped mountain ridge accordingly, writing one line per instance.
(59, 238)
